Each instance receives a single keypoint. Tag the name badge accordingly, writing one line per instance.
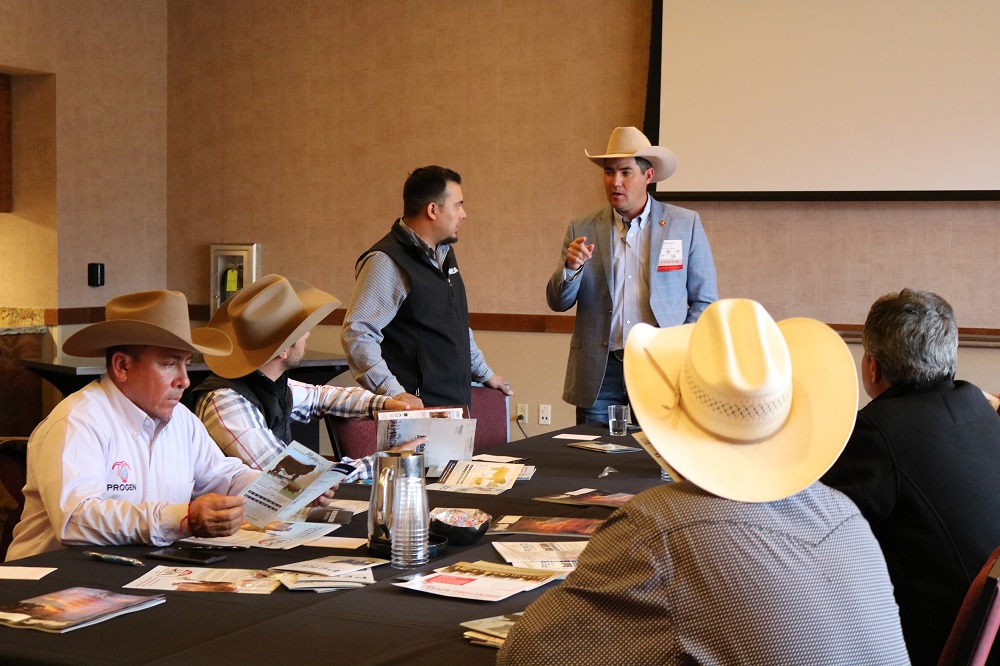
(452, 270)
(671, 256)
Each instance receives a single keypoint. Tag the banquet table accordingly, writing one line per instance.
(376, 624)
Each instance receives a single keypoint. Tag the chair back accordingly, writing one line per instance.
(491, 409)
(978, 619)
(353, 438)
(13, 474)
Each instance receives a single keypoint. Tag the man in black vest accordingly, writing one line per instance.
(249, 402)
(922, 464)
(406, 331)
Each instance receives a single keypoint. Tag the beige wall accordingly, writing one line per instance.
(104, 129)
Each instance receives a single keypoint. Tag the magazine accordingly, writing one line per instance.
(479, 581)
(583, 527)
(201, 579)
(293, 479)
(490, 631)
(604, 447)
(588, 497)
(481, 478)
(447, 438)
(72, 608)
(456, 412)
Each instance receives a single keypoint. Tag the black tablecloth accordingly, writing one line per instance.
(376, 624)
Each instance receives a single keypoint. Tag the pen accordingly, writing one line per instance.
(115, 559)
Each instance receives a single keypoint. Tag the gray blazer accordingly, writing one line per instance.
(676, 297)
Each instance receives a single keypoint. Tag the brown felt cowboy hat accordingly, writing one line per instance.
(740, 405)
(158, 318)
(630, 142)
(264, 319)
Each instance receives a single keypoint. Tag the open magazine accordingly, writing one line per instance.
(294, 478)
(72, 608)
(583, 527)
(480, 581)
(449, 437)
(588, 497)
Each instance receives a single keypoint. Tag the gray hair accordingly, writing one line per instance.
(913, 337)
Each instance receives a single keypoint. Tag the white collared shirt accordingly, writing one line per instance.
(630, 268)
(102, 471)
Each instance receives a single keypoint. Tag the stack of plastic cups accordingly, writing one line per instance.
(410, 522)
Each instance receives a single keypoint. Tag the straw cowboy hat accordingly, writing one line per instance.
(630, 142)
(741, 406)
(158, 318)
(264, 319)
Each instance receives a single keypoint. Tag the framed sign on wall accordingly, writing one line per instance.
(233, 267)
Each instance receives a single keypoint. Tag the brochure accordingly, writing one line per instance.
(482, 478)
(72, 608)
(456, 412)
(604, 447)
(583, 527)
(447, 438)
(293, 479)
(540, 551)
(316, 583)
(278, 535)
(480, 581)
(200, 579)
(333, 565)
(490, 631)
(589, 497)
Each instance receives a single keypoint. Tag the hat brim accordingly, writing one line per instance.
(823, 411)
(663, 160)
(94, 340)
(317, 303)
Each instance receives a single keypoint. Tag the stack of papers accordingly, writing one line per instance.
(480, 581)
(326, 574)
(480, 478)
(72, 608)
(604, 447)
(276, 536)
(559, 555)
(490, 631)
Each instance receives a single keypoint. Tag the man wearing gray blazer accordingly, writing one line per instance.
(638, 260)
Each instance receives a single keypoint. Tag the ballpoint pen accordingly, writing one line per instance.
(115, 559)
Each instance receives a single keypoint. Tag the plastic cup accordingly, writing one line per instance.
(618, 419)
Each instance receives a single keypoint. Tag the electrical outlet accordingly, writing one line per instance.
(522, 411)
(544, 414)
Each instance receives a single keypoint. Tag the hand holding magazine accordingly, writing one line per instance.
(294, 478)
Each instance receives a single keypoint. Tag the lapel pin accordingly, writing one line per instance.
(662, 223)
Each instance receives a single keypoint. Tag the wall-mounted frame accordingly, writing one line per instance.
(233, 267)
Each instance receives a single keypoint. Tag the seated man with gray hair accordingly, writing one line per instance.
(922, 464)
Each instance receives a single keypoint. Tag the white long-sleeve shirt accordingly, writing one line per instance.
(102, 471)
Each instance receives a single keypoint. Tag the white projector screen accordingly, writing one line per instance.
(831, 95)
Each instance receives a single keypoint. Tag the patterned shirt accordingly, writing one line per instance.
(678, 576)
(238, 427)
(379, 291)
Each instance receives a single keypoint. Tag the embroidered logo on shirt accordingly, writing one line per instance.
(121, 468)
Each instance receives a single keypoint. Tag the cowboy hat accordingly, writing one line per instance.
(630, 142)
(158, 318)
(741, 406)
(265, 318)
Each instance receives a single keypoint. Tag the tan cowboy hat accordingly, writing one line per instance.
(264, 319)
(158, 318)
(741, 406)
(630, 142)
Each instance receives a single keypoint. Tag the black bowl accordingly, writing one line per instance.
(458, 536)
